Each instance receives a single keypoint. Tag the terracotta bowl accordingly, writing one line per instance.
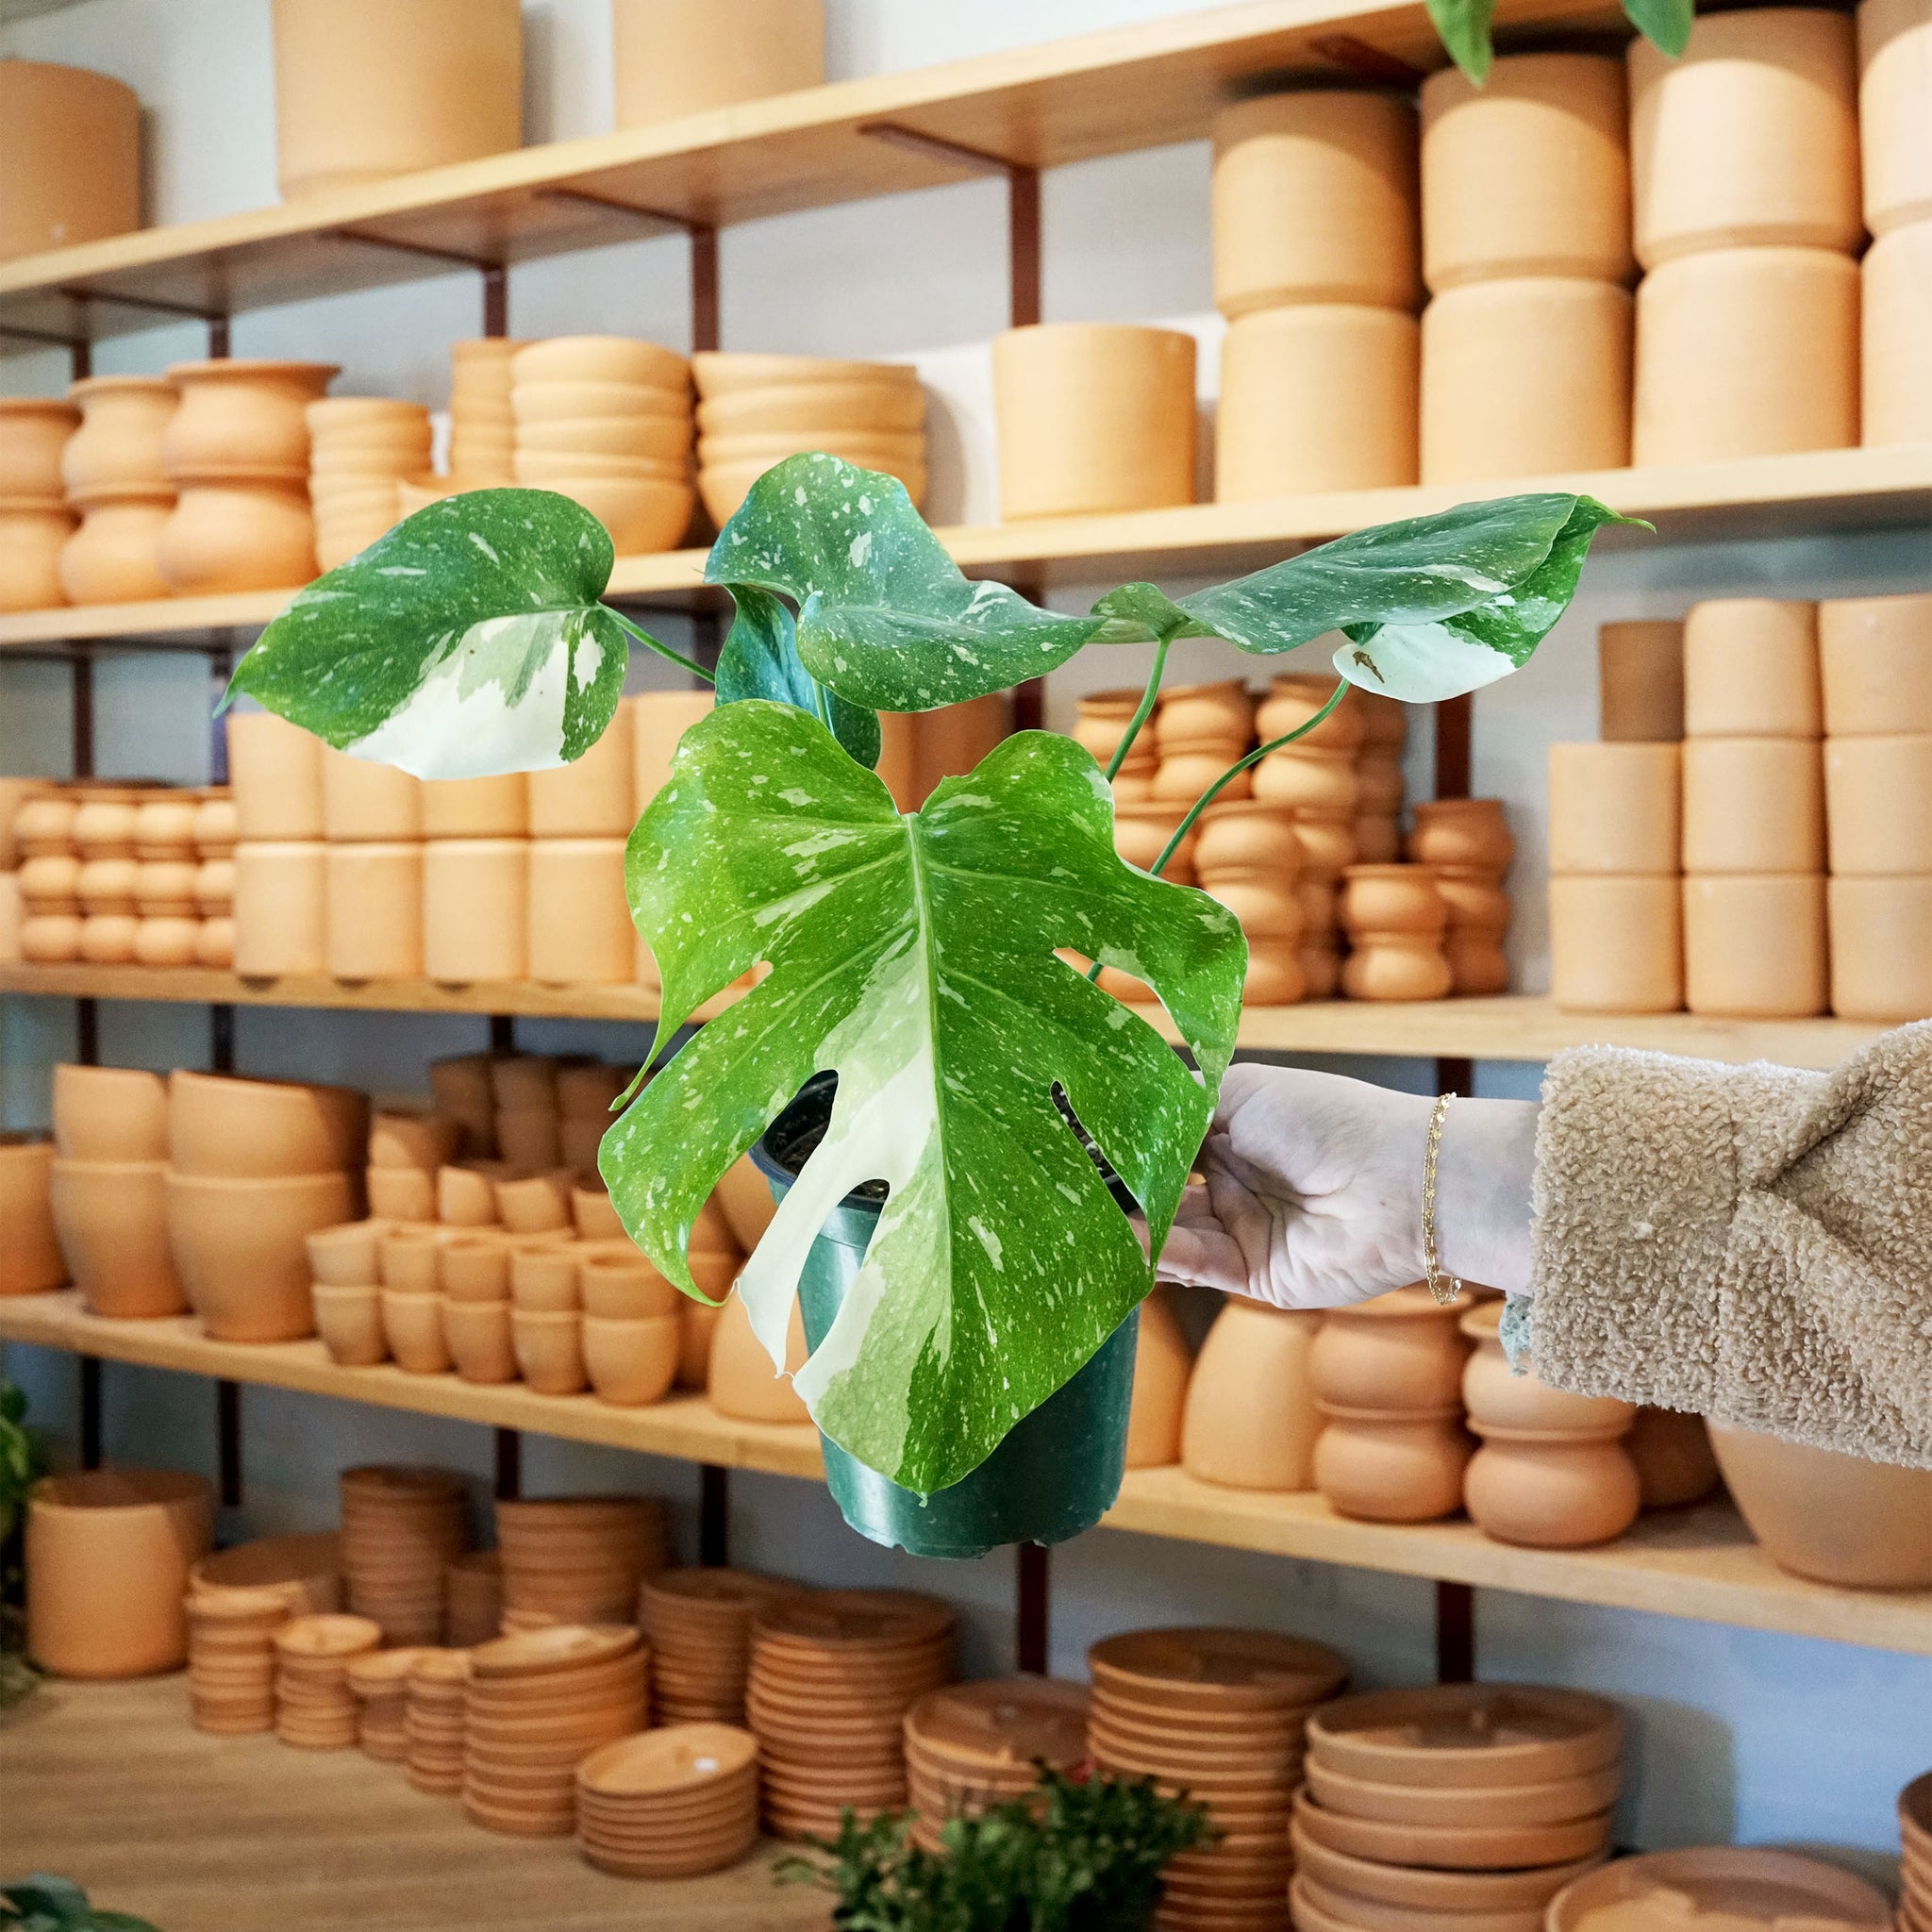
(111, 1221)
(30, 1257)
(239, 1244)
(1757, 1885)
(631, 1362)
(242, 1129)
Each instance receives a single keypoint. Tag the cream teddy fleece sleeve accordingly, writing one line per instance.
(1752, 1244)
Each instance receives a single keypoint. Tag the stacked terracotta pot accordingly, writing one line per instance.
(1219, 1716)
(581, 814)
(70, 153)
(108, 1189)
(434, 1727)
(231, 1659)
(1754, 810)
(1250, 1421)
(1396, 920)
(1316, 269)
(1915, 1843)
(606, 420)
(1467, 847)
(578, 1559)
(401, 1527)
(833, 1673)
(380, 1681)
(972, 1745)
(1388, 1377)
(305, 1567)
(214, 879)
(670, 1803)
(279, 883)
(473, 1598)
(694, 55)
(699, 1626)
(482, 426)
(1101, 723)
(1458, 1804)
(1878, 803)
(538, 1704)
(1896, 387)
(113, 473)
(35, 521)
(315, 1706)
(360, 448)
(1746, 155)
(756, 411)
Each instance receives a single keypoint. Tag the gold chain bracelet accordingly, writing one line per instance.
(1443, 1286)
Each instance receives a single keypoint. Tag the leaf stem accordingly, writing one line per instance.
(1140, 718)
(644, 638)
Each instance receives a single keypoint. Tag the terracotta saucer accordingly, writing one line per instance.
(692, 1866)
(1319, 1910)
(1761, 1885)
(1443, 1848)
(1413, 1889)
(1467, 1735)
(656, 1821)
(1217, 1668)
(545, 1687)
(681, 1759)
(1176, 1759)
(1236, 1789)
(853, 1618)
(1554, 1803)
(568, 1647)
(1010, 1721)
(326, 1636)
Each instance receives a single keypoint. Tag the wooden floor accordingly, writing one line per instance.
(108, 1785)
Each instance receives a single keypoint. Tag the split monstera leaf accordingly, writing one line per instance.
(1463, 26)
(916, 954)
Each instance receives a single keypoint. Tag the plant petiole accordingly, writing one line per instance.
(1148, 697)
(651, 644)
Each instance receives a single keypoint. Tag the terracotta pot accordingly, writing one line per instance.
(477, 808)
(466, 1193)
(631, 1363)
(1881, 949)
(1162, 1362)
(1397, 1351)
(242, 419)
(1295, 697)
(107, 1559)
(1264, 903)
(275, 772)
(224, 536)
(1616, 944)
(164, 826)
(1462, 832)
(215, 946)
(111, 1219)
(373, 915)
(1894, 95)
(1317, 399)
(475, 909)
(1753, 804)
(412, 1329)
(1553, 1490)
(1720, 1882)
(349, 1320)
(1250, 1421)
(624, 1287)
(30, 1257)
(543, 1280)
(108, 885)
(1878, 805)
(1672, 1454)
(1141, 834)
(1184, 773)
(107, 939)
(401, 1193)
(112, 557)
(425, 1141)
(1380, 789)
(12, 919)
(239, 1248)
(345, 1254)
(739, 1381)
(1895, 388)
(1754, 945)
(1190, 714)
(1102, 722)
(363, 91)
(165, 887)
(686, 56)
(1391, 966)
(1496, 1396)
(70, 151)
(1315, 202)
(1874, 663)
(1093, 417)
(478, 1336)
(1387, 1467)
(1308, 779)
(409, 1257)
(118, 446)
(109, 1113)
(580, 930)
(1751, 669)
(34, 435)
(1383, 899)
(166, 942)
(1614, 809)
(1247, 834)
(659, 719)
(1527, 175)
(591, 798)
(1749, 139)
(42, 825)
(643, 515)
(537, 1204)
(1525, 377)
(362, 800)
(663, 442)
(50, 883)
(529, 1137)
(1746, 352)
(281, 908)
(549, 1350)
(50, 939)
(30, 546)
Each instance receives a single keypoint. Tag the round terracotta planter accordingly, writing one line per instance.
(1895, 385)
(1617, 945)
(30, 1257)
(111, 1218)
(1614, 809)
(1397, 1351)
(373, 914)
(1754, 945)
(1389, 1467)
(114, 556)
(215, 821)
(223, 537)
(549, 1350)
(1750, 139)
(109, 1555)
(1187, 771)
(477, 1335)
(1252, 835)
(1250, 1421)
(1746, 352)
(1100, 723)
(70, 154)
(364, 801)
(239, 1246)
(109, 1113)
(644, 515)
(49, 937)
(1304, 778)
(1878, 805)
(242, 419)
(30, 546)
(580, 930)
(685, 57)
(364, 90)
(1751, 669)
(1753, 804)
(1527, 175)
(281, 908)
(1141, 833)
(739, 1381)
(274, 770)
(1552, 1490)
(1640, 682)
(1672, 1454)
(221, 1126)
(1525, 377)
(1894, 96)
(475, 909)
(412, 1330)
(631, 1363)
(1163, 1363)
(592, 797)
(34, 435)
(1881, 949)
(1495, 1396)
(215, 944)
(478, 808)
(1093, 417)
(214, 888)
(118, 446)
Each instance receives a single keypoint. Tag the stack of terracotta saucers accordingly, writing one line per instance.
(232, 1657)
(833, 1673)
(433, 1723)
(699, 1626)
(578, 1559)
(400, 1529)
(308, 1566)
(972, 1745)
(537, 1705)
(1915, 1842)
(670, 1803)
(314, 1706)
(472, 1599)
(1219, 1715)
(380, 1681)
(1471, 1804)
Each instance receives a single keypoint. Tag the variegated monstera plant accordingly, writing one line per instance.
(916, 954)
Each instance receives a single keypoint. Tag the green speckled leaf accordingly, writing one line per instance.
(1666, 24)
(760, 661)
(915, 956)
(884, 615)
(1464, 28)
(467, 641)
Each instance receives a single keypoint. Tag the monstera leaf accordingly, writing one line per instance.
(885, 617)
(467, 641)
(1431, 608)
(915, 957)
(760, 661)
(1463, 26)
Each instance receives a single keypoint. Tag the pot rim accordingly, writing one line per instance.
(1389, 1418)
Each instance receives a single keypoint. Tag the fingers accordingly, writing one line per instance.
(1204, 1256)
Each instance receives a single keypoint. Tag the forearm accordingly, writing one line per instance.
(1484, 1179)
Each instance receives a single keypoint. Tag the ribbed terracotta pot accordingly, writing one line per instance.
(1751, 669)
(1754, 945)
(1894, 98)
(1614, 809)
(1881, 949)
(114, 556)
(70, 154)
(1640, 682)
(1250, 1421)
(1895, 382)
(281, 908)
(1527, 175)
(1617, 945)
(1753, 804)
(374, 912)
(1315, 201)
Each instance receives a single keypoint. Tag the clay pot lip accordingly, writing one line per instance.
(340, 1291)
(1816, 1887)
(1237, 808)
(327, 1182)
(101, 1491)
(250, 368)
(1550, 1439)
(55, 409)
(36, 507)
(1484, 1322)
(121, 385)
(1075, 332)
(156, 495)
(1390, 869)
(1388, 1418)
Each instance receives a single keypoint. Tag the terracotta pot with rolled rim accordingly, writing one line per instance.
(1617, 945)
(739, 1381)
(31, 541)
(216, 821)
(619, 1283)
(1462, 831)
(237, 536)
(240, 1247)
(1746, 1884)
(1250, 1421)
(475, 1268)
(466, 1191)
(1162, 1363)
(1495, 1394)
(1391, 1466)
(348, 1317)
(1398, 967)
(113, 556)
(1676, 1466)
(30, 1258)
(243, 417)
(228, 1127)
(109, 1555)
(544, 1279)
(631, 1363)
(111, 1219)
(1142, 832)
(1384, 899)
(109, 1113)
(1552, 1488)
(42, 825)
(533, 1203)
(34, 434)
(50, 937)
(549, 1349)
(1397, 1351)
(123, 420)
(1308, 779)
(1276, 975)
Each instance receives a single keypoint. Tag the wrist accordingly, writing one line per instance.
(1485, 1167)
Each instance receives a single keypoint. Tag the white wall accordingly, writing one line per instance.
(1764, 1737)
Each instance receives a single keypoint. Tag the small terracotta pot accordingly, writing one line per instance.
(1751, 669)
(107, 939)
(409, 1257)
(1874, 663)
(1750, 139)
(215, 944)
(539, 1203)
(1462, 831)
(1894, 385)
(1142, 832)
(477, 808)
(111, 1219)
(1102, 723)
(478, 1336)
(1754, 945)
(225, 1128)
(530, 1138)
(1386, 1467)
(475, 1268)
(242, 418)
(1391, 966)
(347, 1255)
(1878, 805)
(31, 541)
(109, 1555)
(1317, 399)
(365, 801)
(34, 435)
(1527, 376)
(697, 1325)
(1189, 714)
(374, 911)
(1894, 36)
(401, 1193)
(1308, 779)
(593, 1216)
(466, 1192)
(349, 1320)
(423, 1141)
(164, 826)
(549, 1350)
(1614, 809)
(30, 1257)
(543, 1280)
(1315, 202)
(1250, 1421)
(1397, 1351)
(118, 446)
(475, 909)
(1529, 174)
(1162, 1363)
(70, 150)
(42, 825)
(1727, 1882)
(50, 939)
(412, 1328)
(1294, 699)
(740, 1379)
(224, 536)
(1379, 899)
(624, 1287)
(164, 888)
(275, 771)
(109, 1113)
(1496, 1396)
(1263, 902)
(631, 1362)
(108, 885)
(1093, 417)
(1881, 949)
(580, 930)
(1672, 1454)
(1185, 773)
(1555, 1491)
(1616, 944)
(1746, 352)
(113, 557)
(1753, 804)
(239, 1247)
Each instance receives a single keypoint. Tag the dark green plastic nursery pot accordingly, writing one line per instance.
(1056, 1473)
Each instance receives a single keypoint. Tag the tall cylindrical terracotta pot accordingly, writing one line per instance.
(1881, 949)
(1754, 945)
(1894, 103)
(70, 154)
(1640, 682)
(1875, 657)
(1753, 804)
(30, 1252)
(281, 908)
(1614, 809)
(1896, 374)
(1751, 669)
(1616, 944)
(686, 56)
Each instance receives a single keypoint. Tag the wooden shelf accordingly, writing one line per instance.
(1763, 496)
(1699, 1563)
